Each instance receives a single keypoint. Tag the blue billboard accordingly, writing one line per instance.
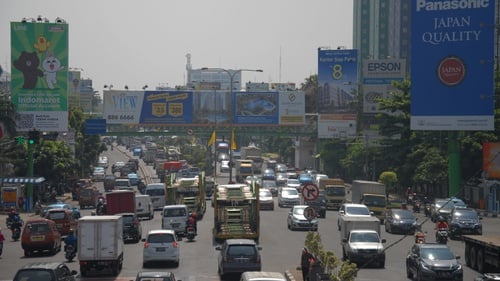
(167, 107)
(256, 108)
(337, 80)
(452, 65)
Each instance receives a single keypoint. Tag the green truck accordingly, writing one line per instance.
(236, 212)
(187, 191)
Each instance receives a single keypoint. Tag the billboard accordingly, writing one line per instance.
(452, 65)
(336, 126)
(377, 79)
(491, 160)
(39, 55)
(204, 108)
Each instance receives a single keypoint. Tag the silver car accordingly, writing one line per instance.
(160, 245)
(288, 197)
(297, 220)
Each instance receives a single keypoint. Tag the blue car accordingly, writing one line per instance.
(305, 178)
(75, 210)
(133, 178)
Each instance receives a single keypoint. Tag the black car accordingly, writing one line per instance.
(464, 221)
(238, 256)
(49, 271)
(319, 204)
(433, 262)
(400, 221)
(132, 229)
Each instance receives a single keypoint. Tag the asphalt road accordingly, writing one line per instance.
(281, 247)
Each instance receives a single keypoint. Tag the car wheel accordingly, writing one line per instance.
(27, 253)
(473, 258)
(409, 274)
(386, 228)
(467, 255)
(176, 264)
(419, 276)
(480, 261)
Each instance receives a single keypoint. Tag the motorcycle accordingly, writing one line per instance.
(37, 208)
(1, 248)
(416, 206)
(442, 236)
(70, 252)
(101, 208)
(427, 210)
(16, 230)
(190, 233)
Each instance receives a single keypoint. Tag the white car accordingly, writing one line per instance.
(352, 210)
(288, 196)
(98, 174)
(160, 245)
(224, 166)
(294, 183)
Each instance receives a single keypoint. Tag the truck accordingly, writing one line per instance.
(236, 212)
(189, 192)
(253, 153)
(482, 252)
(334, 190)
(349, 223)
(120, 201)
(244, 168)
(149, 155)
(100, 244)
(372, 194)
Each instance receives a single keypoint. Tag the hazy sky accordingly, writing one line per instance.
(136, 43)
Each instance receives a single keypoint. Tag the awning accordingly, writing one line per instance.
(23, 180)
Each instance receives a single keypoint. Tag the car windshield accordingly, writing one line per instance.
(465, 215)
(444, 204)
(298, 211)
(35, 274)
(155, 279)
(364, 237)
(293, 181)
(403, 215)
(56, 215)
(335, 191)
(265, 193)
(355, 210)
(289, 192)
(241, 250)
(121, 183)
(375, 200)
(160, 238)
(437, 254)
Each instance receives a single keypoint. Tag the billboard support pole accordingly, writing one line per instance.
(29, 186)
(454, 174)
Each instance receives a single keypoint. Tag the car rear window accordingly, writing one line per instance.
(56, 215)
(128, 219)
(155, 192)
(177, 212)
(241, 250)
(160, 238)
(38, 274)
(39, 227)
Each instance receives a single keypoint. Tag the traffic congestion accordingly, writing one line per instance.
(189, 226)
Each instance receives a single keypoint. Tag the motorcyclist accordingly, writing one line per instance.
(2, 238)
(440, 225)
(419, 235)
(71, 240)
(192, 222)
(13, 215)
(101, 207)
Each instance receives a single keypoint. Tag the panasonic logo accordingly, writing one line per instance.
(451, 5)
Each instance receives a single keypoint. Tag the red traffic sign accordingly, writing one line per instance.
(310, 213)
(310, 192)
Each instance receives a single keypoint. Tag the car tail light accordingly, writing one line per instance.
(174, 244)
(257, 260)
(146, 245)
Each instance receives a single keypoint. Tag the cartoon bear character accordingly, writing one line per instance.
(51, 66)
(28, 64)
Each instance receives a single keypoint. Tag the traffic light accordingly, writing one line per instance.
(20, 140)
(33, 137)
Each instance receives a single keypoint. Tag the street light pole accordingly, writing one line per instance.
(231, 74)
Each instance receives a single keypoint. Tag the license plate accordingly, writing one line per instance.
(139, 210)
(160, 249)
(37, 238)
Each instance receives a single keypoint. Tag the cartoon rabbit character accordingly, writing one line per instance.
(51, 65)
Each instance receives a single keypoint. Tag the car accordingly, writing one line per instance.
(40, 235)
(288, 197)
(291, 173)
(364, 246)
(103, 162)
(269, 176)
(271, 185)
(238, 256)
(224, 166)
(67, 206)
(293, 183)
(262, 276)
(400, 221)
(305, 178)
(430, 261)
(155, 276)
(133, 178)
(281, 179)
(132, 229)
(266, 201)
(123, 184)
(464, 221)
(160, 245)
(441, 207)
(65, 219)
(98, 174)
(117, 166)
(222, 156)
(296, 219)
(354, 210)
(319, 204)
(281, 168)
(46, 271)
(250, 179)
(109, 182)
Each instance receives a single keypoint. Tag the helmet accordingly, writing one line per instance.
(441, 219)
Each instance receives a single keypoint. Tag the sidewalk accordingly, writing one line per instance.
(294, 274)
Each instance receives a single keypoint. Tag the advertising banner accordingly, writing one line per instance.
(212, 107)
(259, 108)
(336, 126)
(337, 80)
(452, 65)
(122, 107)
(39, 55)
(292, 108)
(491, 160)
(167, 107)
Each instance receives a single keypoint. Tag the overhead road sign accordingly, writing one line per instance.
(95, 126)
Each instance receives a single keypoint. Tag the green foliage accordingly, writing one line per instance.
(390, 179)
(331, 264)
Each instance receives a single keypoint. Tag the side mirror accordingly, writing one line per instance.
(259, 248)
(143, 239)
(218, 248)
(457, 257)
(383, 240)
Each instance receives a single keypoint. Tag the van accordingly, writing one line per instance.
(175, 217)
(144, 206)
(157, 193)
(40, 235)
(262, 276)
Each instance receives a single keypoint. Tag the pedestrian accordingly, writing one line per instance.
(2, 238)
(305, 262)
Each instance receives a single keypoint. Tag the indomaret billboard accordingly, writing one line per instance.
(452, 65)
(39, 54)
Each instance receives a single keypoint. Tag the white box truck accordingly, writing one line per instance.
(100, 244)
(372, 194)
(349, 223)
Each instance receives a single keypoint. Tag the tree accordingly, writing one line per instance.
(390, 179)
(311, 89)
(331, 264)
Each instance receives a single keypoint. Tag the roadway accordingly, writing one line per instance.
(281, 247)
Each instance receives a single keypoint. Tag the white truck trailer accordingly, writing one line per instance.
(100, 244)
(349, 223)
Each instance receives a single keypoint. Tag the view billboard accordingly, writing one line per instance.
(452, 65)
(39, 55)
